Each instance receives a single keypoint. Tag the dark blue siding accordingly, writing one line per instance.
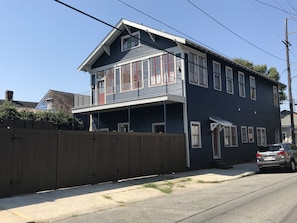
(205, 102)
(142, 118)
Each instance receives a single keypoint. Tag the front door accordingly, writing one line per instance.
(216, 145)
(101, 93)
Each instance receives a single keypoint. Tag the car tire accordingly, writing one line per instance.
(292, 166)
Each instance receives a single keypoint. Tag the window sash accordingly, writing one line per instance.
(217, 76)
(253, 88)
(230, 136)
(196, 135)
(241, 84)
(109, 75)
(261, 137)
(137, 75)
(244, 134)
(130, 41)
(229, 80)
(251, 134)
(198, 70)
(125, 77)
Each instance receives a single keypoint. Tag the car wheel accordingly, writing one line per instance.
(292, 165)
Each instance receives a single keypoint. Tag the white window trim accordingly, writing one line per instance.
(130, 36)
(123, 123)
(241, 84)
(156, 124)
(275, 96)
(229, 79)
(260, 143)
(163, 82)
(251, 139)
(204, 57)
(228, 128)
(219, 75)
(199, 145)
(253, 88)
(244, 132)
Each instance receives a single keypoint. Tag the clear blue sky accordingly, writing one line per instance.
(43, 42)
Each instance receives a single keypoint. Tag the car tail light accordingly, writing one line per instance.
(258, 155)
(282, 153)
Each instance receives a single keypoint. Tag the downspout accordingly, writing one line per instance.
(185, 112)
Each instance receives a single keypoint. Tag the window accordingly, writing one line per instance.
(253, 88)
(217, 76)
(241, 84)
(155, 71)
(136, 75)
(229, 80)
(251, 134)
(123, 127)
(244, 134)
(198, 70)
(275, 96)
(261, 137)
(230, 136)
(168, 68)
(158, 127)
(196, 135)
(162, 69)
(125, 77)
(130, 41)
(277, 136)
(109, 75)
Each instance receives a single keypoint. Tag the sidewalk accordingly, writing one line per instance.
(70, 202)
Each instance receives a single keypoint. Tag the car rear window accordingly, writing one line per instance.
(269, 148)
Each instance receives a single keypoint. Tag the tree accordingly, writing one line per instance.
(272, 73)
(61, 120)
(9, 111)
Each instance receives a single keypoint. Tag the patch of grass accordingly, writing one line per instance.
(164, 187)
(185, 180)
(107, 197)
(209, 182)
(151, 185)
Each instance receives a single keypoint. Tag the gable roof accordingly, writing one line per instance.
(124, 26)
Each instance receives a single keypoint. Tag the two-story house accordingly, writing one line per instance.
(146, 80)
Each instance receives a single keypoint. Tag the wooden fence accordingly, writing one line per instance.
(36, 160)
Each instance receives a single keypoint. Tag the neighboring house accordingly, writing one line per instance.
(145, 80)
(58, 101)
(286, 125)
(21, 105)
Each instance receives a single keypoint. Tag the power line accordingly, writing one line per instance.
(276, 8)
(240, 37)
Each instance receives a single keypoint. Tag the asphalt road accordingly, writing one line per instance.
(261, 198)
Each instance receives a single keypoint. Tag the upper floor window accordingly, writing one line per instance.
(198, 70)
(253, 88)
(109, 76)
(125, 78)
(229, 80)
(130, 41)
(162, 69)
(275, 96)
(137, 75)
(241, 84)
(217, 76)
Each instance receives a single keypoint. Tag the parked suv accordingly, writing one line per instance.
(281, 155)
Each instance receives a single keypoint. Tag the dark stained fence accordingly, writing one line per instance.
(35, 160)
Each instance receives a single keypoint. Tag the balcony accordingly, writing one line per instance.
(146, 91)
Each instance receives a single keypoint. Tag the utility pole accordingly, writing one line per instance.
(287, 43)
